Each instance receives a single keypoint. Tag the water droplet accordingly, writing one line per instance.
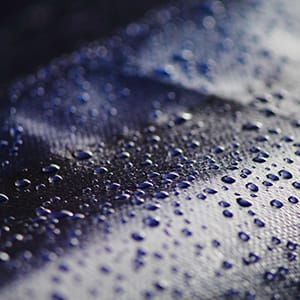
(227, 213)
(224, 203)
(201, 196)
(244, 236)
(217, 149)
(291, 246)
(3, 198)
(210, 191)
(171, 175)
(52, 168)
(178, 212)
(252, 258)
(272, 177)
(152, 206)
(252, 187)
(275, 240)
(285, 174)
(276, 203)
(228, 179)
(259, 159)
(16, 131)
(42, 211)
(101, 170)
(55, 178)
(269, 276)
(243, 202)
(61, 214)
(252, 126)
(144, 185)
(182, 117)
(161, 195)
(226, 265)
(151, 221)
(22, 183)
(296, 184)
(186, 232)
(123, 155)
(138, 237)
(4, 257)
(113, 186)
(267, 183)
(293, 200)
(82, 155)
(183, 184)
(122, 197)
(259, 222)
(175, 152)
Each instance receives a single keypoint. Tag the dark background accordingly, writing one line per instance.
(33, 32)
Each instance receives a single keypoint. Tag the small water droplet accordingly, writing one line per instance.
(4, 257)
(82, 154)
(259, 222)
(138, 237)
(161, 195)
(276, 203)
(144, 185)
(3, 198)
(250, 126)
(227, 213)
(243, 202)
(186, 232)
(151, 221)
(252, 187)
(224, 203)
(285, 174)
(175, 152)
(272, 177)
(296, 184)
(293, 199)
(171, 175)
(228, 179)
(244, 236)
(183, 184)
(55, 178)
(226, 265)
(52, 168)
(182, 117)
(210, 191)
(22, 183)
(101, 170)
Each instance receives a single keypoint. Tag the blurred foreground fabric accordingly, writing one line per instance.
(160, 163)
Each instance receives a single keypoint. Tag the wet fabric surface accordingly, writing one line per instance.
(162, 163)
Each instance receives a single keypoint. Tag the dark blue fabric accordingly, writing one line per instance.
(161, 163)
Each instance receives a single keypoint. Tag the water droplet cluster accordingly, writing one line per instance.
(160, 191)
